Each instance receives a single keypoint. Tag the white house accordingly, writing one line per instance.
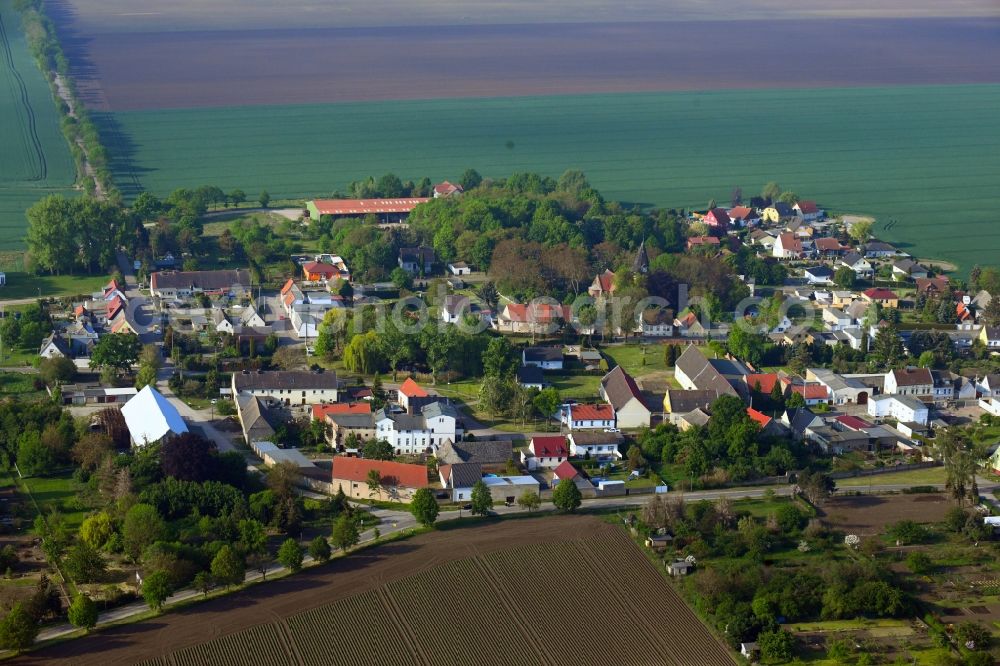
(251, 318)
(411, 434)
(587, 417)
(53, 346)
(459, 268)
(836, 320)
(545, 451)
(818, 274)
(596, 445)
(454, 308)
(902, 408)
(620, 391)
(288, 387)
(150, 417)
(656, 323)
(221, 321)
(546, 358)
(856, 262)
(918, 382)
(787, 246)
(459, 478)
(989, 386)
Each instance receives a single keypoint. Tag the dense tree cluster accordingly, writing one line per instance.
(731, 447)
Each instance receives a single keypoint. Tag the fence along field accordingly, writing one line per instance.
(34, 158)
(534, 604)
(926, 157)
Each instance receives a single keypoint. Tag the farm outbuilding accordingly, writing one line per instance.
(509, 488)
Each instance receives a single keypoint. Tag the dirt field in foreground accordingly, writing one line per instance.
(869, 514)
(160, 70)
(429, 582)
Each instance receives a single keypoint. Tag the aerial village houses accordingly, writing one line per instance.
(182, 284)
(416, 260)
(588, 416)
(398, 482)
(288, 387)
(545, 451)
(621, 392)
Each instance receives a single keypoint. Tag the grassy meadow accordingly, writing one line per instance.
(923, 159)
(34, 158)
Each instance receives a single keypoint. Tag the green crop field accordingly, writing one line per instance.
(34, 158)
(925, 160)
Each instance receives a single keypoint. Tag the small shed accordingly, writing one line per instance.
(659, 541)
(680, 568)
(750, 650)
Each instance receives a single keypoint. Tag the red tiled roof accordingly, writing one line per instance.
(703, 240)
(393, 473)
(741, 213)
(717, 217)
(549, 447)
(606, 280)
(811, 391)
(766, 381)
(937, 283)
(367, 206)
(319, 412)
(565, 470)
(288, 285)
(808, 207)
(790, 243)
(853, 422)
(759, 417)
(594, 412)
(411, 389)
(828, 244)
(879, 294)
(114, 305)
(320, 268)
(536, 312)
(447, 188)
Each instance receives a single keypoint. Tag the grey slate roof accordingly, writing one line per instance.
(277, 379)
(465, 475)
(542, 354)
(696, 366)
(530, 374)
(485, 452)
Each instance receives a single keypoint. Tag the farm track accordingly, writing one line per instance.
(40, 164)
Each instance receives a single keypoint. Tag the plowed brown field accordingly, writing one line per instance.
(567, 589)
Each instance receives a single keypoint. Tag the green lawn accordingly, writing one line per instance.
(18, 383)
(638, 359)
(58, 492)
(916, 477)
(908, 170)
(24, 285)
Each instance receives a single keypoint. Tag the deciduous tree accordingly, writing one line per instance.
(83, 612)
(290, 555)
(424, 507)
(482, 499)
(566, 496)
(156, 588)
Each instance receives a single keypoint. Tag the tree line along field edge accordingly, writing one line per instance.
(926, 156)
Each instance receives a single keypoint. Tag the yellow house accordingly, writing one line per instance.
(123, 325)
(990, 336)
(777, 212)
(886, 297)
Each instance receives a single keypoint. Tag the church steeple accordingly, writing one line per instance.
(641, 263)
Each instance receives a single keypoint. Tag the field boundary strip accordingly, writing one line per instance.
(40, 164)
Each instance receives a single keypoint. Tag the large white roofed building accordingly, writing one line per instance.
(150, 417)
